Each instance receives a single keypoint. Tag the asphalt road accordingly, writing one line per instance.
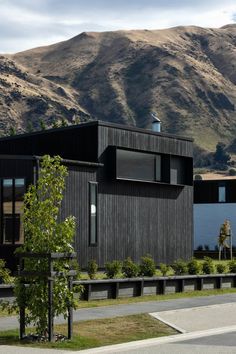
(135, 308)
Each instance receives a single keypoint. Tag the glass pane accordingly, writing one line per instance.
(18, 229)
(19, 182)
(177, 170)
(135, 165)
(8, 182)
(19, 196)
(19, 189)
(7, 207)
(13, 210)
(222, 194)
(158, 168)
(7, 228)
(93, 213)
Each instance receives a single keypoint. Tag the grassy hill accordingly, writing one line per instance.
(186, 74)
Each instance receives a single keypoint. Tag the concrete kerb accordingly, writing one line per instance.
(121, 347)
(156, 341)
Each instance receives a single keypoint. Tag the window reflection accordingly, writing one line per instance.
(12, 209)
(138, 165)
(93, 213)
(222, 194)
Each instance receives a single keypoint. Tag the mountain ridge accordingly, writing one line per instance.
(186, 74)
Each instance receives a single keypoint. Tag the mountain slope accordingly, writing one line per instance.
(186, 74)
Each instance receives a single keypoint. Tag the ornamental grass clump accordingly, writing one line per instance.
(208, 266)
(232, 266)
(129, 268)
(112, 269)
(221, 268)
(194, 267)
(164, 269)
(180, 267)
(147, 266)
(92, 269)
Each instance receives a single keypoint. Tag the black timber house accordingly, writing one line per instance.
(130, 190)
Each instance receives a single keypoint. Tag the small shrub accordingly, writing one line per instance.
(194, 266)
(112, 269)
(147, 266)
(208, 266)
(92, 268)
(75, 266)
(200, 248)
(198, 177)
(232, 266)
(4, 273)
(221, 268)
(232, 172)
(206, 247)
(129, 268)
(164, 268)
(180, 267)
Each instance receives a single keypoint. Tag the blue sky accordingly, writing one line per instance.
(26, 24)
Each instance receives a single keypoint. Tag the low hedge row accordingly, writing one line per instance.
(147, 267)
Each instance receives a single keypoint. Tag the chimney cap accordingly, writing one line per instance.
(155, 117)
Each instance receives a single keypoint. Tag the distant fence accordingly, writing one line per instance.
(212, 254)
(118, 288)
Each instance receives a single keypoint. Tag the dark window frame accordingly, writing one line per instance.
(153, 168)
(222, 185)
(14, 215)
(165, 167)
(92, 243)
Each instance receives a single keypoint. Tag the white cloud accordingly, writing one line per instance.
(26, 23)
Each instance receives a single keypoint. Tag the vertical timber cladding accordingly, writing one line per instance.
(76, 203)
(137, 218)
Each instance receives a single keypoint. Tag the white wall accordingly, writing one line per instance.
(207, 221)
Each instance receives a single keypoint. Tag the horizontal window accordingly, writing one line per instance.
(150, 167)
(138, 165)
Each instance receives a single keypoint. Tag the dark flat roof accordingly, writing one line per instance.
(101, 123)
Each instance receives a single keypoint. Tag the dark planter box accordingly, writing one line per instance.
(116, 288)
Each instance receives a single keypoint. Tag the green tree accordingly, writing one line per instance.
(12, 131)
(221, 157)
(29, 127)
(64, 122)
(44, 233)
(42, 124)
(55, 124)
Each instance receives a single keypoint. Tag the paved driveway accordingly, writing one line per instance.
(199, 318)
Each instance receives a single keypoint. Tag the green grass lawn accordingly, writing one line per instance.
(130, 300)
(95, 333)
